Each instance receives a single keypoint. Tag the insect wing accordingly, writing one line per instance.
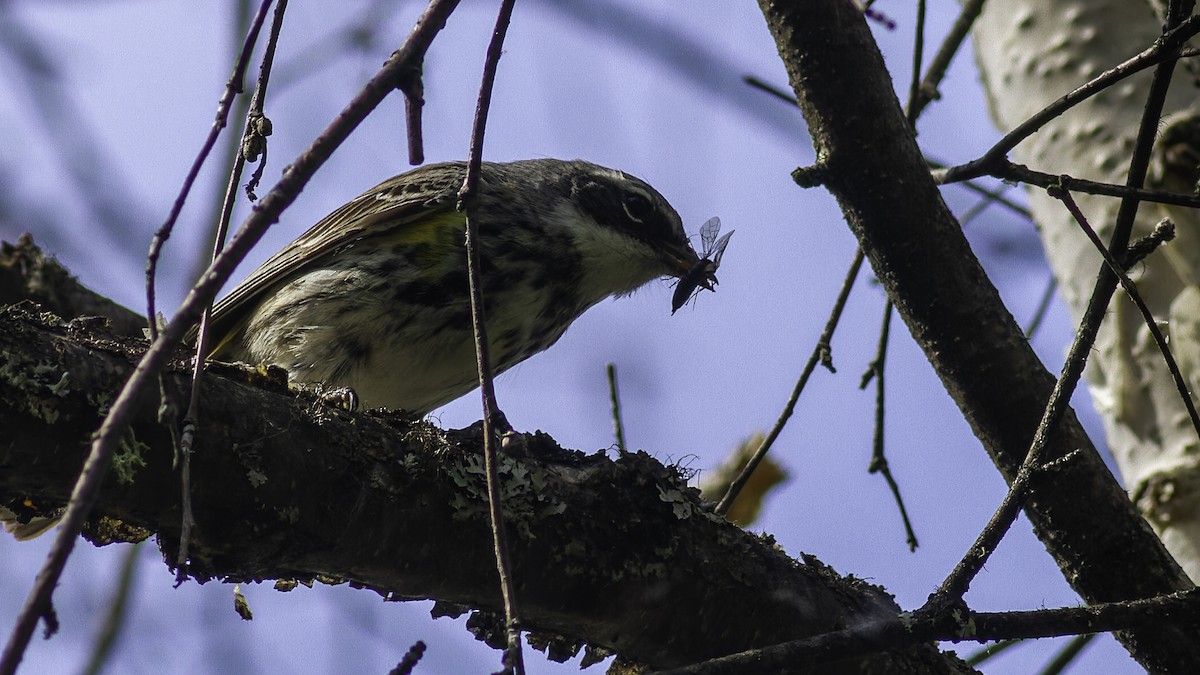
(708, 234)
(718, 250)
(703, 273)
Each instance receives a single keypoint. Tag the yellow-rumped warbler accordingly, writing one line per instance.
(375, 296)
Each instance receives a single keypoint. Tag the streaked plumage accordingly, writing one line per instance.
(374, 297)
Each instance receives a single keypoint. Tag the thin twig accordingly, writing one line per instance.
(252, 138)
(1069, 653)
(491, 411)
(1161, 9)
(411, 658)
(118, 612)
(996, 195)
(911, 111)
(1006, 170)
(412, 84)
(959, 580)
(1131, 289)
(1043, 307)
(615, 398)
(121, 412)
(928, 90)
(821, 353)
(898, 632)
(991, 196)
(875, 15)
(879, 463)
(986, 654)
(1048, 294)
(414, 105)
(227, 154)
(878, 366)
(763, 85)
(233, 88)
(1166, 48)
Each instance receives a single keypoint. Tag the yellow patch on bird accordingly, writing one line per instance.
(427, 228)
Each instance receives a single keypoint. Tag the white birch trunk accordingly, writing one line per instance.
(1031, 52)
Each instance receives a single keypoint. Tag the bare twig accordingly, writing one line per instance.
(879, 463)
(118, 611)
(901, 631)
(615, 398)
(1118, 269)
(1006, 170)
(412, 85)
(491, 411)
(991, 196)
(821, 353)
(991, 650)
(1067, 655)
(227, 155)
(411, 658)
(1167, 48)
(763, 85)
(959, 580)
(232, 89)
(875, 15)
(928, 91)
(414, 104)
(1043, 307)
(253, 143)
(878, 366)
(996, 195)
(104, 442)
(911, 111)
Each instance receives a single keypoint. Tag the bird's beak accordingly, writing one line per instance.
(680, 260)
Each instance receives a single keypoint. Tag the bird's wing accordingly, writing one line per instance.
(393, 206)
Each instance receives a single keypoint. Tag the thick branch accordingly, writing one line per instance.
(26, 273)
(872, 165)
(617, 553)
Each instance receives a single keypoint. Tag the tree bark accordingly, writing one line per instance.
(870, 161)
(616, 553)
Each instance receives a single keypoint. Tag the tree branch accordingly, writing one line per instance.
(874, 168)
(616, 553)
(898, 631)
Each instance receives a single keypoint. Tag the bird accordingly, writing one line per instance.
(374, 297)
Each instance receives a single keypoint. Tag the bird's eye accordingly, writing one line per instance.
(637, 206)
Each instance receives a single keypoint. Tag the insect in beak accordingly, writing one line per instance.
(702, 274)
